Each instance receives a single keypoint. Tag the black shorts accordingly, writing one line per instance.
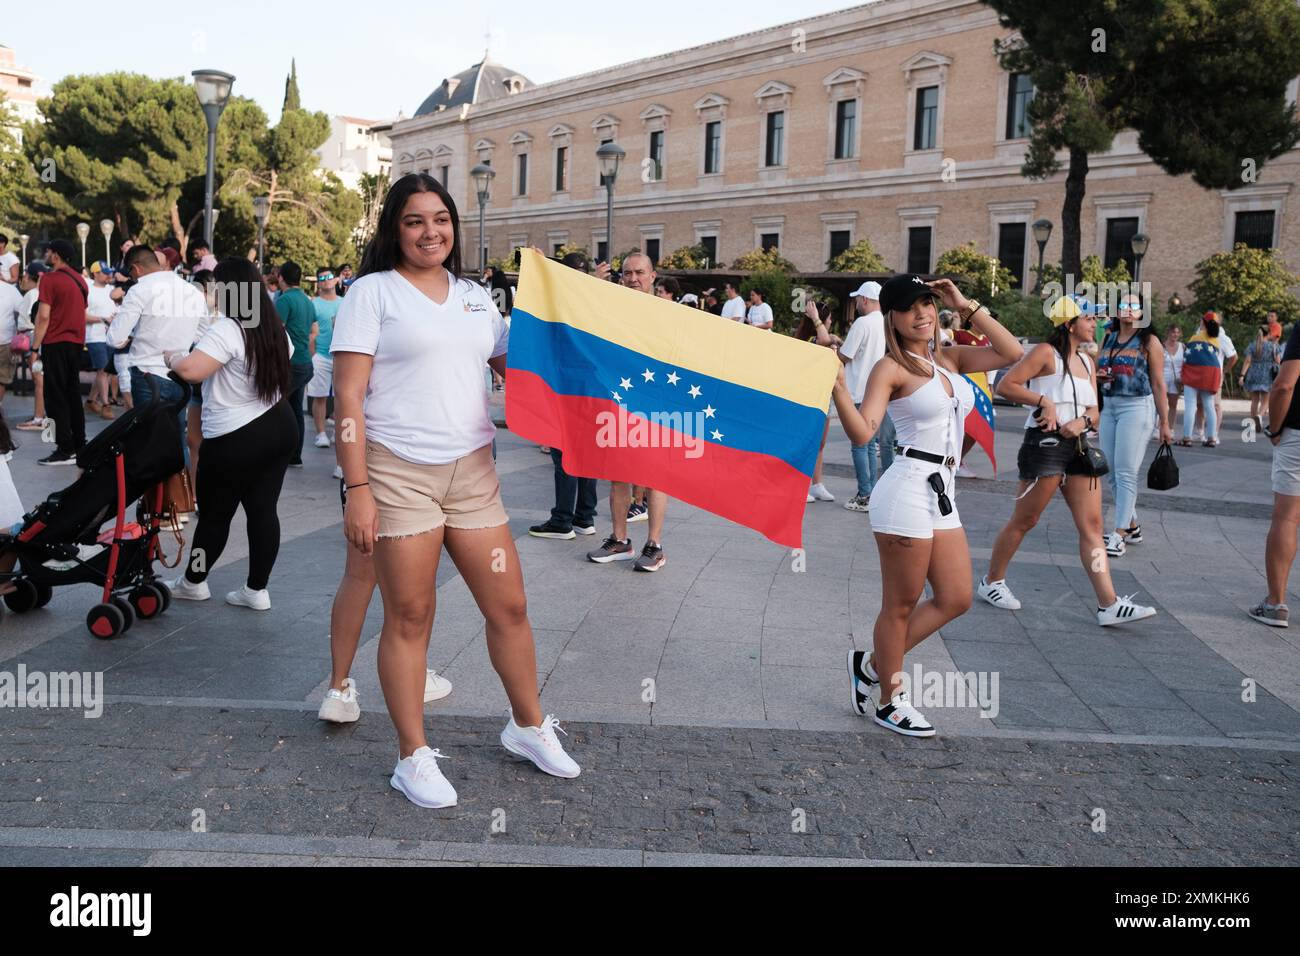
(1043, 454)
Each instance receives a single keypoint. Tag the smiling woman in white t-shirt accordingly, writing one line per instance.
(415, 443)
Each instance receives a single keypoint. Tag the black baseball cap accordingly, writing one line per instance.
(62, 248)
(898, 293)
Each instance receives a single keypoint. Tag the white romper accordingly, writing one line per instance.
(903, 503)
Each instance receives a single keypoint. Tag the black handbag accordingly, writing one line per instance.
(1163, 473)
(1088, 461)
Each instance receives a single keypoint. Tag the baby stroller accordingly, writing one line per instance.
(60, 541)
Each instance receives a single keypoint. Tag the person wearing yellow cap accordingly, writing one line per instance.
(1059, 385)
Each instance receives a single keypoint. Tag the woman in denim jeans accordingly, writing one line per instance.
(1130, 375)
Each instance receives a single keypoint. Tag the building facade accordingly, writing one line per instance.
(356, 147)
(892, 121)
(18, 86)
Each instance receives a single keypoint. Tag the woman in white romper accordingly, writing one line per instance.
(917, 528)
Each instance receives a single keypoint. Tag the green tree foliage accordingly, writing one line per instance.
(979, 276)
(687, 257)
(859, 257)
(1101, 66)
(373, 189)
(1245, 284)
(1092, 273)
(15, 171)
(760, 260)
(778, 292)
(292, 99)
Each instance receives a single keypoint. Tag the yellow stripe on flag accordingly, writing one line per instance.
(677, 334)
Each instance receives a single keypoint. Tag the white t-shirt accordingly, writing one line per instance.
(11, 506)
(25, 320)
(99, 301)
(734, 309)
(160, 314)
(11, 306)
(864, 346)
(425, 401)
(7, 262)
(229, 396)
(1226, 349)
(760, 314)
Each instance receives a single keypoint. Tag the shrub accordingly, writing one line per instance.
(777, 292)
(759, 260)
(1244, 285)
(979, 276)
(687, 257)
(859, 257)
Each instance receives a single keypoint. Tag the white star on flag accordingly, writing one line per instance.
(717, 435)
(708, 411)
(673, 378)
(625, 383)
(618, 397)
(695, 391)
(648, 375)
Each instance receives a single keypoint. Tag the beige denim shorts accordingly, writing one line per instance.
(413, 498)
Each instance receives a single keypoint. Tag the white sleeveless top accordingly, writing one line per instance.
(1056, 387)
(931, 420)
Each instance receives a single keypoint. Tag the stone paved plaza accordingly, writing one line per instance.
(745, 751)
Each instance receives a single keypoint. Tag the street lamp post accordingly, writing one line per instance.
(482, 176)
(213, 90)
(261, 209)
(609, 156)
(1140, 241)
(83, 230)
(106, 227)
(1042, 232)
(22, 241)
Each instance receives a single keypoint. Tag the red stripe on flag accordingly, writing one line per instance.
(757, 491)
(978, 428)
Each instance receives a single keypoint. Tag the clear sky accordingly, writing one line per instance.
(369, 60)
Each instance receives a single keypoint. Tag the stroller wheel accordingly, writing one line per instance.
(147, 601)
(44, 594)
(128, 613)
(25, 596)
(166, 593)
(106, 621)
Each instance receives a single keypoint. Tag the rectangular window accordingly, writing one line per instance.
(1011, 249)
(1020, 90)
(657, 154)
(846, 128)
(927, 118)
(522, 163)
(556, 247)
(839, 241)
(770, 240)
(1255, 229)
(652, 250)
(918, 250)
(603, 182)
(1119, 241)
(561, 169)
(713, 147)
(602, 251)
(710, 244)
(775, 155)
(444, 174)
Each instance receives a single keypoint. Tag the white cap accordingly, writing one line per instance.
(869, 290)
(689, 297)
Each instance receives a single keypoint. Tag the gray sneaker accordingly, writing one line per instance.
(1274, 615)
(652, 558)
(612, 550)
(858, 503)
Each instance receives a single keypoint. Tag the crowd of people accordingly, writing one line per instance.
(407, 350)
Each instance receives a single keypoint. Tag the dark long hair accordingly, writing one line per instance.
(242, 298)
(806, 328)
(384, 251)
(1060, 340)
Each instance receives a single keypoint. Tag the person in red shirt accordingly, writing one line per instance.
(60, 336)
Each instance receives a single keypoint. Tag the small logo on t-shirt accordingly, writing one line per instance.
(475, 307)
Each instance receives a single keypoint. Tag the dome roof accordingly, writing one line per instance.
(481, 83)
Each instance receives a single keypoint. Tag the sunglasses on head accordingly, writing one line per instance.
(936, 484)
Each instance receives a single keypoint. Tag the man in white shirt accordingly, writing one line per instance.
(100, 309)
(734, 306)
(8, 264)
(160, 314)
(760, 313)
(11, 304)
(863, 347)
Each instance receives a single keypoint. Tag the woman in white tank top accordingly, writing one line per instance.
(1063, 407)
(917, 528)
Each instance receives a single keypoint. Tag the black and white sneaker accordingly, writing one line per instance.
(998, 594)
(583, 529)
(551, 530)
(1115, 545)
(637, 512)
(58, 458)
(1123, 611)
(902, 718)
(862, 677)
(1133, 535)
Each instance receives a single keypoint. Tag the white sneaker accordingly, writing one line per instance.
(998, 594)
(902, 718)
(810, 499)
(819, 492)
(1123, 611)
(1115, 546)
(858, 503)
(322, 440)
(964, 472)
(435, 687)
(420, 780)
(338, 471)
(247, 597)
(184, 591)
(340, 706)
(540, 745)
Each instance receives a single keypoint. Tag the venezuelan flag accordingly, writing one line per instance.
(979, 420)
(634, 388)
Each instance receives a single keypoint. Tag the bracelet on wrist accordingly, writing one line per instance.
(359, 484)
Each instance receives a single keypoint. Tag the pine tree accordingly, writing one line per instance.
(292, 101)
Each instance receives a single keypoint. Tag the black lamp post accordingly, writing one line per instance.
(609, 156)
(213, 90)
(1140, 241)
(261, 210)
(482, 176)
(1042, 232)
